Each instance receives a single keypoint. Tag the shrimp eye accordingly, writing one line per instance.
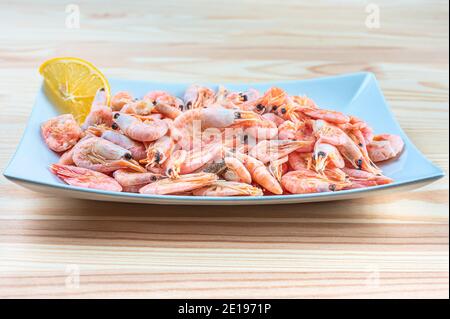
(274, 108)
(169, 171)
(332, 187)
(244, 97)
(237, 115)
(181, 106)
(114, 126)
(360, 145)
(359, 163)
(283, 111)
(188, 105)
(157, 157)
(154, 178)
(321, 154)
(260, 107)
(116, 115)
(128, 156)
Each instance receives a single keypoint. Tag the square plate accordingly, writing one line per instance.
(357, 94)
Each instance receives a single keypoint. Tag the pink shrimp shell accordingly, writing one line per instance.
(83, 177)
(61, 133)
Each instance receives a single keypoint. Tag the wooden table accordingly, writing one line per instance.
(392, 246)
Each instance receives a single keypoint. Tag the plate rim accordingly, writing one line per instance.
(333, 195)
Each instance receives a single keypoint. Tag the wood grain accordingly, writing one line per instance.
(390, 246)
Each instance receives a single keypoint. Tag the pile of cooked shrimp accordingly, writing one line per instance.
(217, 144)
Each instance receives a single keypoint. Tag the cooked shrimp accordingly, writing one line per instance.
(359, 131)
(175, 133)
(346, 146)
(288, 111)
(267, 151)
(335, 174)
(278, 167)
(275, 119)
(167, 110)
(303, 182)
(325, 154)
(83, 177)
(226, 188)
(100, 113)
(360, 141)
(103, 156)
(138, 107)
(172, 166)
(163, 97)
(61, 133)
(159, 151)
(165, 104)
(126, 177)
(198, 158)
(215, 116)
(147, 131)
(236, 171)
(299, 161)
(221, 98)
(230, 175)
(137, 149)
(216, 167)
(304, 101)
(245, 101)
(66, 158)
(259, 172)
(272, 99)
(132, 188)
(249, 99)
(261, 129)
(185, 183)
(287, 130)
(253, 125)
(326, 115)
(305, 133)
(120, 99)
(358, 175)
(197, 97)
(361, 179)
(358, 124)
(150, 117)
(384, 147)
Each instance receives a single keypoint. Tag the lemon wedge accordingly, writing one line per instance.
(71, 83)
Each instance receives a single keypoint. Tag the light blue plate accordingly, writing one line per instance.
(357, 94)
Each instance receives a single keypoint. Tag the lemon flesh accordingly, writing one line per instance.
(71, 84)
